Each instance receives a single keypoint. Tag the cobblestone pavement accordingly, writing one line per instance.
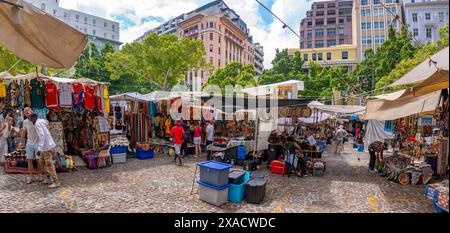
(157, 185)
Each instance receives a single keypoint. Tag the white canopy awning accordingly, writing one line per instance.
(426, 69)
(130, 96)
(38, 37)
(343, 109)
(268, 89)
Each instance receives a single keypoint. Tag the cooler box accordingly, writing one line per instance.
(119, 158)
(255, 191)
(236, 192)
(212, 194)
(241, 152)
(236, 177)
(142, 154)
(214, 173)
(278, 167)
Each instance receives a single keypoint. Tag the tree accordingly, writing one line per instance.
(161, 61)
(405, 65)
(284, 68)
(233, 74)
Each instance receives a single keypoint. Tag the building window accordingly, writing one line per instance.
(365, 12)
(319, 56)
(328, 56)
(211, 48)
(211, 24)
(427, 16)
(376, 2)
(314, 56)
(364, 2)
(319, 22)
(309, 45)
(341, 20)
(414, 17)
(105, 35)
(441, 17)
(319, 44)
(309, 34)
(344, 55)
(113, 37)
(320, 13)
(309, 23)
(85, 30)
(331, 12)
(211, 37)
(320, 6)
(331, 43)
(305, 57)
(105, 24)
(93, 32)
(366, 40)
(365, 26)
(416, 32)
(331, 21)
(331, 5)
(54, 12)
(85, 20)
(379, 39)
(65, 15)
(43, 6)
(319, 32)
(77, 18)
(428, 33)
(378, 25)
(113, 27)
(94, 22)
(388, 1)
(331, 31)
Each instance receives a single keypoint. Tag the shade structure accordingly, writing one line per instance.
(264, 90)
(38, 37)
(129, 96)
(382, 109)
(341, 109)
(429, 72)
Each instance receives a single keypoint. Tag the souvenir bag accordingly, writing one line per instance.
(90, 160)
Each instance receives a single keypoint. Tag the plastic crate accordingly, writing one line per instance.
(212, 194)
(236, 192)
(141, 154)
(236, 177)
(119, 158)
(255, 190)
(118, 150)
(278, 167)
(437, 208)
(214, 173)
(431, 193)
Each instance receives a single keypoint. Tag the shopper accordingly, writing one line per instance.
(45, 149)
(292, 149)
(185, 126)
(5, 131)
(32, 139)
(341, 133)
(209, 138)
(376, 153)
(197, 138)
(177, 133)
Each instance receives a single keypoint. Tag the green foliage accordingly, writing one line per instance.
(233, 74)
(160, 61)
(407, 64)
(285, 68)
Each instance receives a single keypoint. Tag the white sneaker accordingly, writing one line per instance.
(55, 185)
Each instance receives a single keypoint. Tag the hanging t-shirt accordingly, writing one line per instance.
(106, 98)
(78, 92)
(2, 89)
(14, 94)
(65, 94)
(27, 92)
(37, 93)
(51, 95)
(89, 98)
(168, 124)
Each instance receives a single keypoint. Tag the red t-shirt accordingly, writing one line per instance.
(51, 95)
(77, 87)
(177, 133)
(89, 98)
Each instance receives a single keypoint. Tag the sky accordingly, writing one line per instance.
(138, 16)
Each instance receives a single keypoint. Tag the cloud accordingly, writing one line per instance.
(138, 16)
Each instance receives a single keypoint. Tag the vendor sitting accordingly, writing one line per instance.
(376, 153)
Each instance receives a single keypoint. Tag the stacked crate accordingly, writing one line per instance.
(214, 182)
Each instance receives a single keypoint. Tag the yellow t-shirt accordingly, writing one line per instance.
(168, 123)
(2, 89)
(106, 97)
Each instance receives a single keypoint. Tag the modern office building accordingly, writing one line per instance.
(372, 19)
(224, 34)
(327, 24)
(425, 18)
(99, 30)
(345, 55)
(259, 59)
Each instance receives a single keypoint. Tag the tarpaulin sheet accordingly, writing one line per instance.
(375, 132)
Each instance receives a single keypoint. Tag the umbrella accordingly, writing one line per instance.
(38, 37)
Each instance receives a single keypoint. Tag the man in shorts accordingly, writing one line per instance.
(32, 139)
(177, 134)
(341, 133)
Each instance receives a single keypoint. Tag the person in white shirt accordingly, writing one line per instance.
(29, 132)
(5, 131)
(45, 148)
(209, 138)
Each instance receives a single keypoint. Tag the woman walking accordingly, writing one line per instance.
(197, 138)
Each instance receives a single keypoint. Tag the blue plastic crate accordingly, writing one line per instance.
(214, 173)
(236, 192)
(118, 150)
(141, 154)
(437, 208)
(431, 193)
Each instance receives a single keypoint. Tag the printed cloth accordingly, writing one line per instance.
(37, 93)
(27, 92)
(14, 94)
(57, 131)
(103, 125)
(65, 94)
(41, 112)
(3, 89)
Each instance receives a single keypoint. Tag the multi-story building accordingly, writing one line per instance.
(99, 30)
(372, 19)
(327, 24)
(425, 17)
(345, 55)
(259, 59)
(224, 34)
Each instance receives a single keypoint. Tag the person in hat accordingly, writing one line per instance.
(341, 133)
(177, 134)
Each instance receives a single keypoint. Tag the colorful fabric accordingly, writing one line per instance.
(51, 95)
(168, 124)
(37, 93)
(41, 112)
(3, 89)
(21, 98)
(27, 90)
(106, 99)
(14, 94)
(45, 141)
(65, 95)
(89, 98)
